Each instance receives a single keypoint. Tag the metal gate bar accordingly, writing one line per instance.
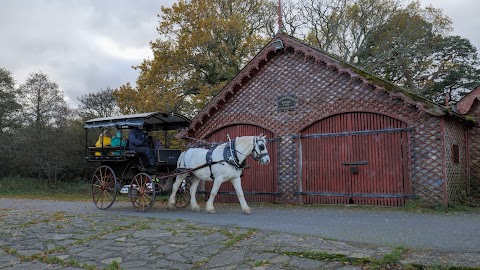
(363, 132)
(413, 196)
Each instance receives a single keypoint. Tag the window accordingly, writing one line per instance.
(455, 154)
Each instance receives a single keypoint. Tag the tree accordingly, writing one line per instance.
(413, 50)
(9, 107)
(46, 114)
(363, 17)
(9, 121)
(326, 21)
(202, 45)
(99, 104)
(293, 24)
(340, 27)
(44, 103)
(456, 70)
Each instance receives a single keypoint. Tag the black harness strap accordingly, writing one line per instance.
(209, 159)
(230, 155)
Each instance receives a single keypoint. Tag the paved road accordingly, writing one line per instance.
(443, 232)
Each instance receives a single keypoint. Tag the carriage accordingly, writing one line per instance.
(124, 171)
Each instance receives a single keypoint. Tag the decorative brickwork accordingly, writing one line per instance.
(470, 105)
(428, 160)
(323, 87)
(457, 180)
(474, 149)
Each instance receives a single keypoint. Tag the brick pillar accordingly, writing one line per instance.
(287, 169)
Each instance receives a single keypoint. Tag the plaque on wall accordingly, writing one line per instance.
(286, 103)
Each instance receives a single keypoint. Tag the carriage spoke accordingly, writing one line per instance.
(103, 187)
(183, 194)
(142, 192)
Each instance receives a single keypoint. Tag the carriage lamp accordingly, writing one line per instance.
(277, 44)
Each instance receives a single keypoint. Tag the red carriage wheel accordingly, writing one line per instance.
(104, 187)
(142, 192)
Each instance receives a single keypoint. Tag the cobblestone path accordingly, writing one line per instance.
(59, 240)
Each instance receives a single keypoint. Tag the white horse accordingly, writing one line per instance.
(219, 164)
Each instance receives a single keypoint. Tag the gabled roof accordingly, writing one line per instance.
(293, 45)
(465, 103)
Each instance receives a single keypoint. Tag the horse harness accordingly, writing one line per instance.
(229, 156)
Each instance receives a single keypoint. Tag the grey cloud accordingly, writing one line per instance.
(83, 45)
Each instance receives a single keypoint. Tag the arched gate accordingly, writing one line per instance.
(355, 158)
(259, 182)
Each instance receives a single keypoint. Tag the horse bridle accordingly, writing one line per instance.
(258, 155)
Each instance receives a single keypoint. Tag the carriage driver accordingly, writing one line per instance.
(137, 140)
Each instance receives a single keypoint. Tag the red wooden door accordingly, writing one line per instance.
(259, 182)
(356, 158)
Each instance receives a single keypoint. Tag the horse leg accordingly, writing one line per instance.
(176, 185)
(237, 184)
(209, 205)
(193, 190)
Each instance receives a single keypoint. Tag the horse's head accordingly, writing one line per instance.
(260, 152)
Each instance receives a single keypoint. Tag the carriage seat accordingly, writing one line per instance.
(103, 151)
(129, 153)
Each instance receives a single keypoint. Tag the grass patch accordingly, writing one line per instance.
(261, 263)
(324, 256)
(17, 187)
(418, 206)
(239, 237)
(389, 261)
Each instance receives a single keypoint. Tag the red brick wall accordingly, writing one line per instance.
(474, 151)
(456, 173)
(322, 90)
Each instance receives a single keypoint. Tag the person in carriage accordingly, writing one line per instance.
(118, 141)
(104, 140)
(137, 140)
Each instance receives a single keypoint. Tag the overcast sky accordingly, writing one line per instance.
(87, 45)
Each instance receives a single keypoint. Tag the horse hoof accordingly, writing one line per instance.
(247, 211)
(196, 208)
(211, 211)
(171, 206)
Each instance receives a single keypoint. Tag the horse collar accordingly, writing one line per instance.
(230, 155)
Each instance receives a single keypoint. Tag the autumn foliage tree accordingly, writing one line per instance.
(202, 45)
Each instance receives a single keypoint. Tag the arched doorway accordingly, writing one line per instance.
(355, 158)
(259, 182)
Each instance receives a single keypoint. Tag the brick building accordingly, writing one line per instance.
(470, 105)
(341, 135)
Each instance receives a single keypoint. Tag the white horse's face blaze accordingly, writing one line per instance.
(260, 151)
